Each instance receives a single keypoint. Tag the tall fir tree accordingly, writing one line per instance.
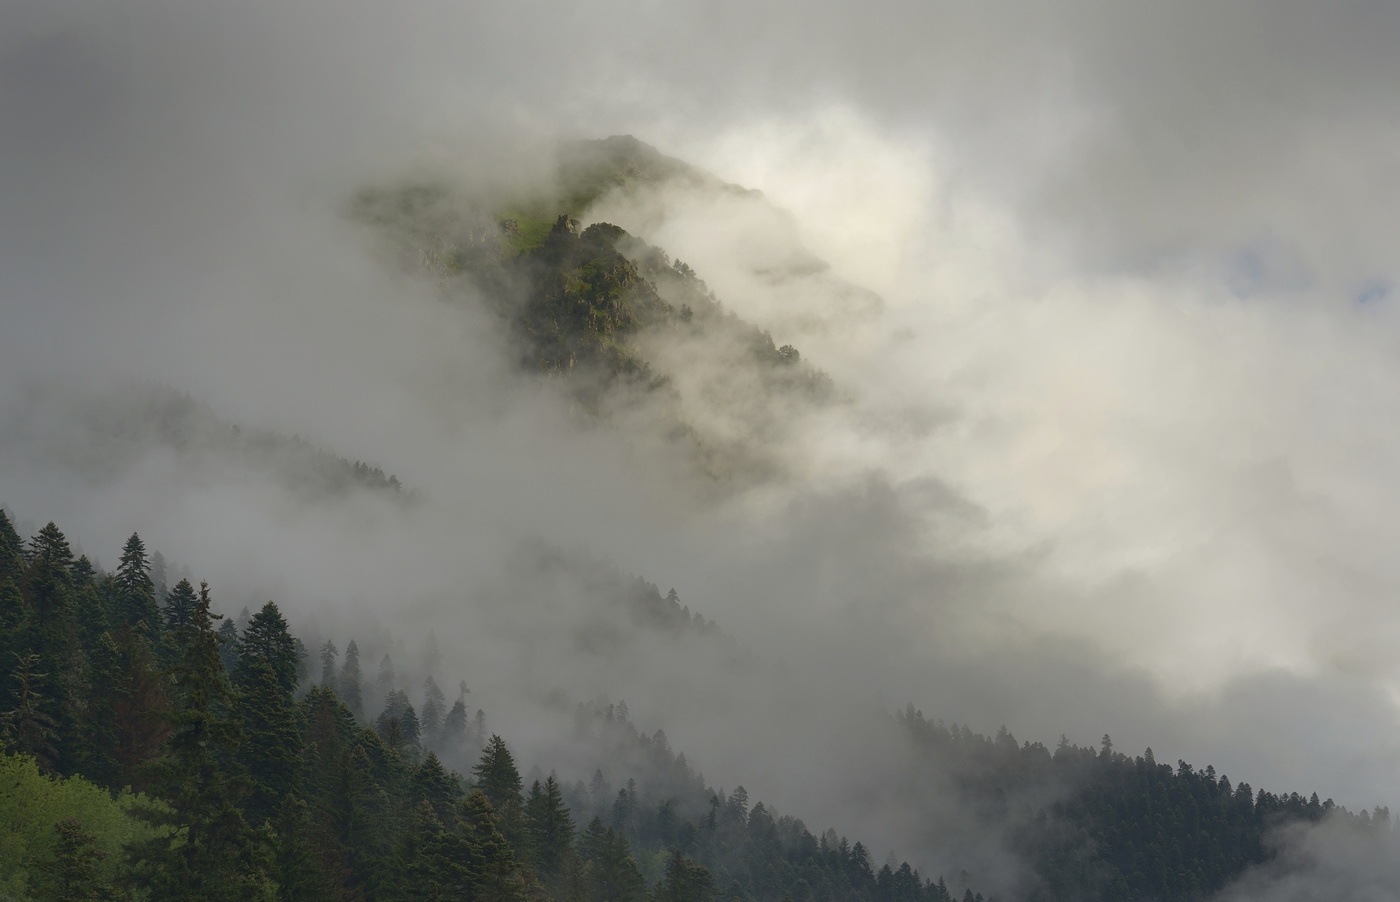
(52, 634)
(432, 712)
(136, 590)
(206, 849)
(266, 640)
(329, 654)
(551, 828)
(350, 681)
(265, 679)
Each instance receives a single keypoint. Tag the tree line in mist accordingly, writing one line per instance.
(156, 750)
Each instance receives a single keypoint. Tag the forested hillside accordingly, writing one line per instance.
(624, 326)
(156, 749)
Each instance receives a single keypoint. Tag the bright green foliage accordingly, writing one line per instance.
(35, 852)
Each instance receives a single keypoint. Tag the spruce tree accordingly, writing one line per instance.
(270, 753)
(266, 640)
(206, 850)
(433, 709)
(496, 873)
(550, 825)
(496, 774)
(136, 591)
(265, 678)
(329, 654)
(350, 681)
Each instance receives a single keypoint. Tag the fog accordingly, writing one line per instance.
(1115, 451)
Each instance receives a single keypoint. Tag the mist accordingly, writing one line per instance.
(1107, 293)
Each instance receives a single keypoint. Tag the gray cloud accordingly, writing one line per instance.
(1119, 448)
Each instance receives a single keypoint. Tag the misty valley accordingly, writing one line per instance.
(469, 683)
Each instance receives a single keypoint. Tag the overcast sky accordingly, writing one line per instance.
(1121, 454)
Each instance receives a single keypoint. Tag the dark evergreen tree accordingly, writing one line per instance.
(433, 709)
(266, 640)
(497, 876)
(136, 591)
(206, 849)
(349, 686)
(228, 646)
(398, 722)
(432, 783)
(181, 608)
(265, 678)
(551, 828)
(686, 881)
(384, 682)
(496, 774)
(329, 655)
(28, 726)
(611, 873)
(51, 632)
(270, 753)
(74, 874)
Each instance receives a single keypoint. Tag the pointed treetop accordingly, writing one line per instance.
(50, 547)
(11, 549)
(267, 640)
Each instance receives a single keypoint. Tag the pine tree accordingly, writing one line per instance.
(432, 783)
(329, 654)
(270, 753)
(384, 682)
(207, 850)
(266, 641)
(686, 881)
(136, 591)
(398, 722)
(350, 681)
(74, 874)
(139, 703)
(496, 876)
(51, 633)
(612, 874)
(28, 726)
(228, 646)
(454, 728)
(550, 826)
(496, 774)
(14, 610)
(433, 708)
(265, 679)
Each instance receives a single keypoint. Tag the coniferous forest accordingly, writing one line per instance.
(156, 748)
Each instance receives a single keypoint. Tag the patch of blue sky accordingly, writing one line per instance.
(1373, 292)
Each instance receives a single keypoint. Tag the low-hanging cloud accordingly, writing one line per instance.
(1115, 451)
